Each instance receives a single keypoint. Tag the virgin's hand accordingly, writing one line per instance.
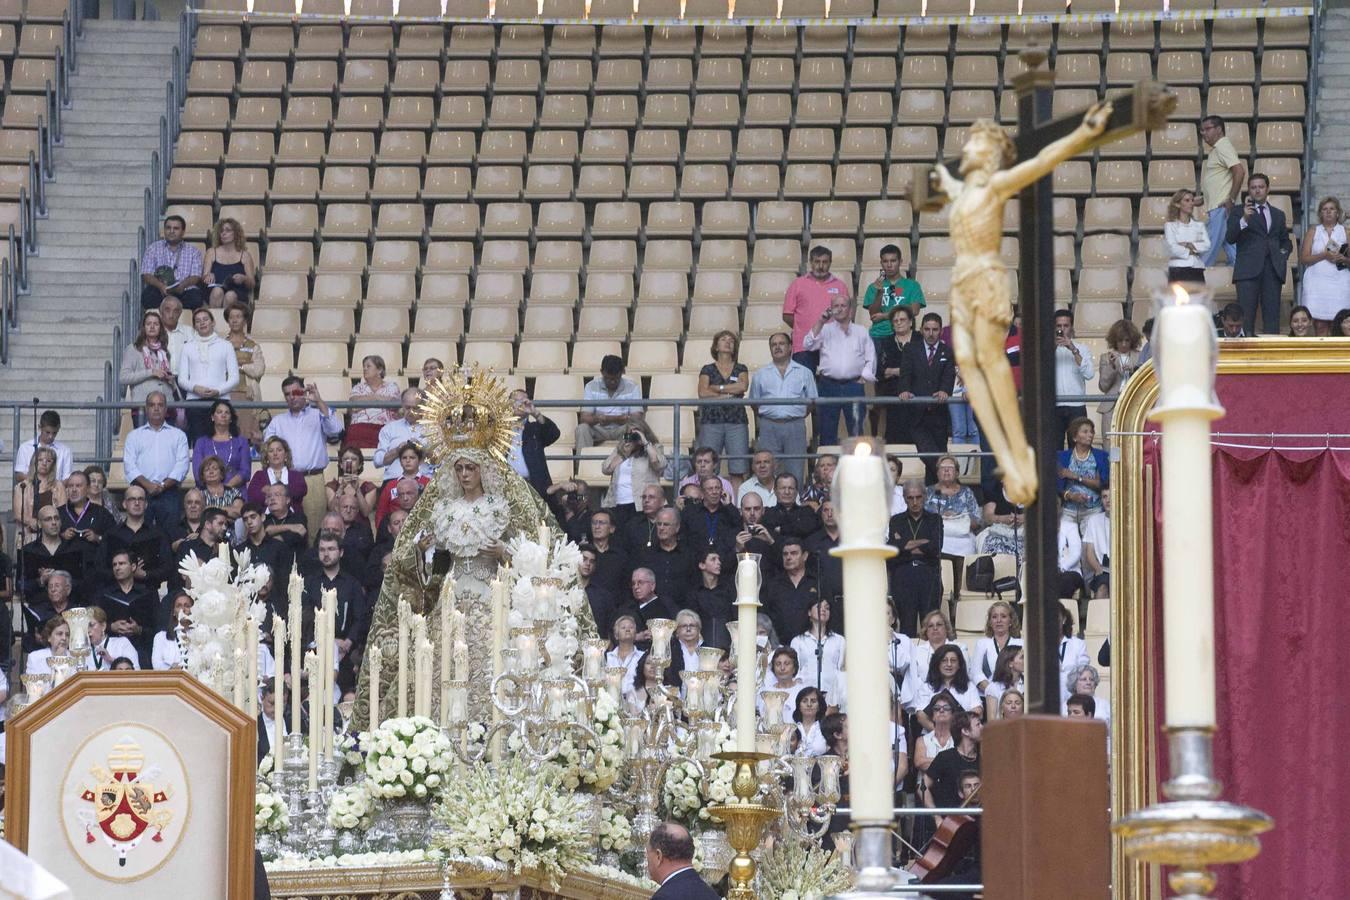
(495, 549)
(424, 542)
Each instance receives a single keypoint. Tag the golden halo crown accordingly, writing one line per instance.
(467, 409)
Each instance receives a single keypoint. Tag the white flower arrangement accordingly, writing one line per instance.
(265, 767)
(220, 601)
(532, 563)
(612, 874)
(687, 796)
(406, 758)
(616, 832)
(593, 765)
(351, 808)
(270, 813)
(681, 794)
(517, 814)
(289, 861)
(794, 871)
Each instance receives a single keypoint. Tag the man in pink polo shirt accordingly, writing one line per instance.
(807, 299)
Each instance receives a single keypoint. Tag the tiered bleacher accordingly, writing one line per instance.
(534, 196)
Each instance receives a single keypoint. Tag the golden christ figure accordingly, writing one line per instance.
(981, 298)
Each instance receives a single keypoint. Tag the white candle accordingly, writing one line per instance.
(375, 655)
(661, 630)
(419, 637)
(593, 659)
(862, 496)
(330, 663)
(527, 651)
(312, 668)
(295, 620)
(774, 701)
(404, 613)
(447, 645)
(614, 677)
(545, 537)
(223, 551)
(251, 682)
(237, 670)
(278, 694)
(747, 630)
(1185, 360)
(422, 694)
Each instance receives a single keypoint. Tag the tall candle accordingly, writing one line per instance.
(404, 613)
(419, 637)
(330, 663)
(312, 669)
(278, 695)
(862, 496)
(747, 630)
(1186, 360)
(238, 669)
(251, 681)
(295, 621)
(447, 645)
(374, 654)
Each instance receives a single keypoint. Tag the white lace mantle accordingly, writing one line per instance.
(465, 527)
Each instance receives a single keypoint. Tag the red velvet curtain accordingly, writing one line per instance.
(1282, 567)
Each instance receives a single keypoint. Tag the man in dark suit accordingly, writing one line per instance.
(670, 863)
(1263, 247)
(928, 369)
(536, 431)
(916, 581)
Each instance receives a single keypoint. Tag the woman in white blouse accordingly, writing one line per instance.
(1001, 630)
(1187, 240)
(165, 652)
(207, 369)
(935, 632)
(820, 651)
(624, 653)
(809, 710)
(946, 672)
(56, 633)
(1009, 675)
(1084, 680)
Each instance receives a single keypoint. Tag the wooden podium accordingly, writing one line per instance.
(137, 784)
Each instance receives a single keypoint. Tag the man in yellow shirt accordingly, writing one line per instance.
(1221, 182)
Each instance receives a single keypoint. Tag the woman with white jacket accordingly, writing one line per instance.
(207, 369)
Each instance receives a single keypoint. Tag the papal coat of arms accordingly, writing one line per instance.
(128, 806)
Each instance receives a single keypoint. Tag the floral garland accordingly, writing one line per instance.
(687, 793)
(517, 814)
(220, 599)
(270, 813)
(795, 871)
(289, 861)
(406, 758)
(595, 764)
(351, 808)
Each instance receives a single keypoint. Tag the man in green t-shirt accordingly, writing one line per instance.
(889, 290)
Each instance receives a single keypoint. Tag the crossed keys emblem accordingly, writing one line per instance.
(124, 798)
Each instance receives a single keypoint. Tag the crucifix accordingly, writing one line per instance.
(995, 168)
(1045, 779)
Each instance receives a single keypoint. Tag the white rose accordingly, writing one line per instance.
(405, 777)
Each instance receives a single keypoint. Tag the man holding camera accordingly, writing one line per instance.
(1263, 248)
(82, 521)
(634, 466)
(847, 359)
(1074, 366)
(534, 432)
(604, 418)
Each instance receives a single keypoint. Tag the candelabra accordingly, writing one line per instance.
(809, 804)
(77, 620)
(745, 819)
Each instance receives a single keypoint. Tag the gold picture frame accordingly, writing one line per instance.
(1134, 734)
(240, 731)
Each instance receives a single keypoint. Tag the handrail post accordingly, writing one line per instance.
(6, 310)
(38, 186)
(675, 449)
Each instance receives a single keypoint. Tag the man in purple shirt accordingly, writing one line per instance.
(847, 359)
(172, 253)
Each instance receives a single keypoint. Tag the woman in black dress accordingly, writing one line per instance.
(899, 419)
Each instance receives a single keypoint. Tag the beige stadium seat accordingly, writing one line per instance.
(1285, 138)
(919, 144)
(710, 111)
(586, 358)
(656, 321)
(1133, 146)
(622, 40)
(869, 108)
(863, 144)
(251, 114)
(1152, 213)
(1100, 251)
(623, 75)
(275, 324)
(773, 218)
(345, 183)
(1130, 68)
(873, 73)
(301, 148)
(845, 254)
(1074, 177)
(656, 146)
(600, 182)
(453, 257)
(608, 289)
(808, 180)
(707, 320)
(461, 113)
(725, 288)
(191, 185)
(766, 145)
(860, 180)
(722, 256)
(341, 289)
(645, 358)
(768, 110)
(466, 76)
(668, 256)
(924, 71)
(923, 107)
(970, 105)
(1078, 70)
(504, 256)
(506, 220)
(771, 74)
(1126, 35)
(250, 148)
(1108, 214)
(293, 221)
(755, 182)
(822, 109)
(419, 351)
(618, 219)
(1152, 253)
(773, 255)
(310, 76)
(569, 75)
(213, 41)
(394, 256)
(659, 111)
(370, 41)
(605, 145)
(834, 217)
(207, 76)
(1119, 176)
(1102, 284)
(437, 322)
(560, 220)
(1166, 176)
(704, 182)
(289, 256)
(401, 220)
(205, 114)
(1282, 101)
(611, 255)
(350, 148)
(646, 182)
(322, 358)
(551, 322)
(547, 182)
(390, 351)
(603, 323)
(443, 289)
(556, 147)
(455, 221)
(714, 74)
(768, 286)
(888, 217)
(564, 111)
(383, 323)
(658, 287)
(1188, 104)
(498, 289)
(556, 289)
(308, 114)
(980, 71)
(407, 111)
(1093, 318)
(495, 355)
(502, 148)
(1176, 139)
(1285, 174)
(1230, 101)
(710, 145)
(1284, 65)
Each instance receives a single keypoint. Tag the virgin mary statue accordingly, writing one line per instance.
(473, 507)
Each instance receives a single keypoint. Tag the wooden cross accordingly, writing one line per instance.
(1144, 107)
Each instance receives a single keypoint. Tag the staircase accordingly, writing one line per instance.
(95, 207)
(1331, 115)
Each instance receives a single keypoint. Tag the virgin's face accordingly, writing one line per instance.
(1328, 214)
(1301, 324)
(276, 455)
(203, 323)
(220, 417)
(468, 475)
(949, 665)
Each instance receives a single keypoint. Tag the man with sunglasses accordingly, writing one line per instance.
(306, 426)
